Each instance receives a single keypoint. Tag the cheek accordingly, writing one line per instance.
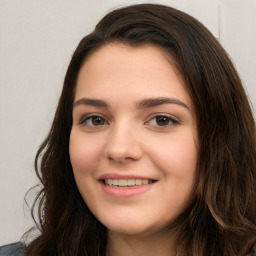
(182, 156)
(177, 158)
(177, 161)
(179, 154)
(83, 156)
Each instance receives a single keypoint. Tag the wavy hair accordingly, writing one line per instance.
(221, 219)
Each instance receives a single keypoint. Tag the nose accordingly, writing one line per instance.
(123, 144)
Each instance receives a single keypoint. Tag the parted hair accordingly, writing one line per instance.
(221, 219)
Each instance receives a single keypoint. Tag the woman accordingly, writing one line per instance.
(152, 148)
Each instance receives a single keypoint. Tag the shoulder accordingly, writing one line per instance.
(15, 249)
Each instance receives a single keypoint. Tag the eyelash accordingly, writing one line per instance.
(171, 120)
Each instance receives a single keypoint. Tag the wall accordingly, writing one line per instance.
(37, 39)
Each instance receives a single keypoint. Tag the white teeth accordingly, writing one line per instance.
(138, 182)
(109, 182)
(127, 182)
(123, 183)
(131, 182)
(114, 182)
(145, 182)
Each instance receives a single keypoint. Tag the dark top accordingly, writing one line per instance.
(16, 249)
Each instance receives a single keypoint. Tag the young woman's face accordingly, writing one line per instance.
(133, 143)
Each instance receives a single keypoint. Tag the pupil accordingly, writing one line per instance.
(97, 121)
(162, 120)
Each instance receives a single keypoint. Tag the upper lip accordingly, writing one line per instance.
(124, 176)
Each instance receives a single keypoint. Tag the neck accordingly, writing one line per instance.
(143, 244)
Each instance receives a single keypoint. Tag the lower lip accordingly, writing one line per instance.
(125, 192)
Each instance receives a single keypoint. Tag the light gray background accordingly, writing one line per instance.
(37, 38)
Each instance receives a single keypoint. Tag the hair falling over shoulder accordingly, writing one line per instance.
(221, 219)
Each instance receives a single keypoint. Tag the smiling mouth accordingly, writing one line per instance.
(127, 182)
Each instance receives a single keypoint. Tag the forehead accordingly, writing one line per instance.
(146, 71)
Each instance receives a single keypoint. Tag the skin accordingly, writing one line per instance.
(133, 135)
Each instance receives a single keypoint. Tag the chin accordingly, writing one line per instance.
(131, 231)
(128, 226)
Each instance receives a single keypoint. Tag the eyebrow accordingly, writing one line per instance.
(146, 103)
(153, 102)
(91, 102)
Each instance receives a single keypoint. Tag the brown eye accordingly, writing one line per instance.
(94, 121)
(97, 120)
(162, 121)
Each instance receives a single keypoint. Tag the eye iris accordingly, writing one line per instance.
(97, 120)
(162, 120)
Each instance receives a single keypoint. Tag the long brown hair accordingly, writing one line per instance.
(221, 220)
